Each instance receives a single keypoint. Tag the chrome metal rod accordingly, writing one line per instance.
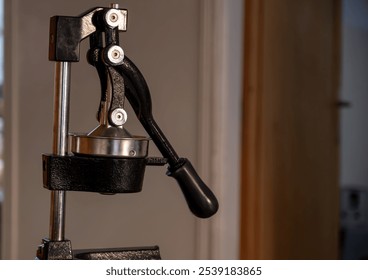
(61, 108)
(57, 216)
(60, 145)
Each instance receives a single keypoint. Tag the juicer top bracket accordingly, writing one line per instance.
(66, 32)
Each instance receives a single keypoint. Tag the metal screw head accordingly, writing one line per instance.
(119, 117)
(115, 55)
(113, 18)
(132, 153)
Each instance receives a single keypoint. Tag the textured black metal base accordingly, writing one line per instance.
(55, 250)
(140, 253)
(62, 250)
(93, 174)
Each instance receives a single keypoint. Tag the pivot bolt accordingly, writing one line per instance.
(112, 18)
(119, 117)
(115, 55)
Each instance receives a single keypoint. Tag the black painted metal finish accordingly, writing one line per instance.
(55, 250)
(201, 200)
(66, 33)
(62, 250)
(139, 253)
(93, 174)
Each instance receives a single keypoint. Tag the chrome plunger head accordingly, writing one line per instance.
(110, 142)
(110, 138)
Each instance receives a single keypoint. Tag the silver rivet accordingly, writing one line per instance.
(119, 117)
(113, 18)
(115, 54)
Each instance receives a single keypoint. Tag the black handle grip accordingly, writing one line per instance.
(201, 201)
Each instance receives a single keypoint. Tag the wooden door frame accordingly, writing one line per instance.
(258, 194)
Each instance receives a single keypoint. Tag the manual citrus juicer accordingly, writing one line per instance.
(107, 160)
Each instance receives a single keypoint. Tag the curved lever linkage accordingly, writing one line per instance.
(201, 201)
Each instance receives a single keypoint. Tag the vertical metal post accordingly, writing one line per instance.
(60, 145)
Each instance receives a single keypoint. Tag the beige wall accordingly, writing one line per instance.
(163, 41)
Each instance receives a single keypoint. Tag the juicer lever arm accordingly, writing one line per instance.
(201, 200)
